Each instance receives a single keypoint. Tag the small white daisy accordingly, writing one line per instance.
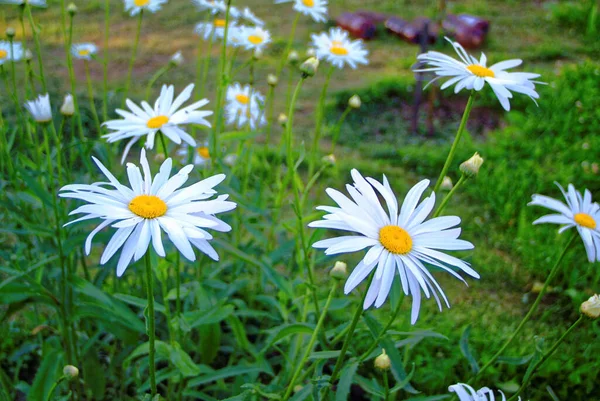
(470, 73)
(215, 29)
(244, 107)
(177, 59)
(134, 7)
(316, 9)
(338, 49)
(165, 117)
(35, 3)
(201, 156)
(40, 108)
(10, 54)
(83, 51)
(400, 240)
(150, 206)
(579, 212)
(468, 393)
(252, 38)
(249, 16)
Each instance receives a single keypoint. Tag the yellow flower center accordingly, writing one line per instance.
(308, 3)
(203, 152)
(395, 239)
(243, 99)
(585, 220)
(157, 122)
(338, 49)
(480, 71)
(148, 206)
(255, 39)
(84, 53)
(3, 54)
(141, 3)
(219, 23)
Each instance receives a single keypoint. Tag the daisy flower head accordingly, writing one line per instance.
(253, 38)
(40, 109)
(84, 51)
(249, 16)
(166, 117)
(579, 212)
(316, 9)
(338, 49)
(134, 7)
(244, 106)
(215, 29)
(200, 156)
(468, 393)
(214, 6)
(399, 240)
(10, 53)
(142, 211)
(472, 74)
(35, 3)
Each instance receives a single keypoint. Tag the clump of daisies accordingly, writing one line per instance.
(135, 7)
(336, 48)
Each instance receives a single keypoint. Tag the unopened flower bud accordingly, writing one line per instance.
(10, 32)
(591, 307)
(329, 159)
(68, 106)
(258, 54)
(70, 372)
(339, 271)
(355, 102)
(28, 55)
(272, 80)
(282, 119)
(383, 361)
(293, 57)
(471, 167)
(309, 67)
(176, 59)
(446, 184)
(311, 52)
(72, 9)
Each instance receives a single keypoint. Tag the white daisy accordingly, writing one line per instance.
(249, 16)
(468, 393)
(469, 73)
(10, 54)
(40, 108)
(215, 29)
(136, 6)
(252, 38)
(84, 51)
(166, 117)
(244, 106)
(201, 156)
(214, 6)
(579, 212)
(316, 9)
(400, 240)
(337, 48)
(35, 3)
(142, 212)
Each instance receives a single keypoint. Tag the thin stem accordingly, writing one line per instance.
(449, 195)
(288, 46)
(155, 77)
(271, 103)
(386, 386)
(375, 342)
(178, 291)
(133, 56)
(105, 61)
(164, 143)
(56, 383)
(319, 113)
(151, 323)
(461, 128)
(311, 343)
(531, 310)
(38, 47)
(205, 67)
(90, 88)
(338, 127)
(546, 356)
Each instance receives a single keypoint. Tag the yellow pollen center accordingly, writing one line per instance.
(338, 49)
(585, 220)
(480, 71)
(203, 152)
(148, 206)
(308, 3)
(395, 239)
(220, 23)
(243, 99)
(84, 53)
(141, 3)
(3, 54)
(157, 122)
(255, 39)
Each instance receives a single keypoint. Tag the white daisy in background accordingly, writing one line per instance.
(200, 157)
(10, 54)
(244, 106)
(166, 117)
(316, 9)
(253, 38)
(84, 51)
(469, 73)
(249, 16)
(141, 212)
(35, 3)
(468, 393)
(214, 29)
(338, 49)
(134, 7)
(579, 212)
(400, 240)
(214, 6)
(40, 108)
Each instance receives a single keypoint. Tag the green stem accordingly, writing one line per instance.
(288, 46)
(375, 342)
(53, 388)
(164, 143)
(38, 47)
(205, 66)
(461, 128)
(155, 77)
(338, 127)
(150, 323)
(449, 195)
(320, 114)
(271, 103)
(133, 56)
(105, 63)
(311, 343)
(178, 291)
(91, 96)
(386, 386)
(546, 356)
(531, 310)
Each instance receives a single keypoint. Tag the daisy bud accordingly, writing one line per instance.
(70, 372)
(309, 67)
(258, 54)
(272, 80)
(355, 102)
(10, 32)
(311, 52)
(339, 271)
(28, 55)
(591, 307)
(383, 362)
(471, 167)
(446, 184)
(68, 107)
(329, 159)
(72, 9)
(293, 57)
(282, 119)
(176, 59)
(595, 168)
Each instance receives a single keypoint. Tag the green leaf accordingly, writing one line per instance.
(238, 136)
(204, 317)
(466, 351)
(45, 377)
(280, 332)
(515, 360)
(370, 386)
(138, 302)
(210, 340)
(224, 373)
(95, 375)
(325, 355)
(302, 394)
(182, 361)
(537, 356)
(346, 379)
(239, 332)
(41, 192)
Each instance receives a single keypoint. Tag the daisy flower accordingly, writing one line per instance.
(400, 240)
(136, 6)
(252, 38)
(7, 54)
(84, 51)
(214, 6)
(249, 16)
(40, 108)
(470, 73)
(579, 212)
(468, 393)
(336, 48)
(316, 9)
(141, 212)
(244, 106)
(213, 30)
(166, 117)
(35, 3)
(201, 156)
